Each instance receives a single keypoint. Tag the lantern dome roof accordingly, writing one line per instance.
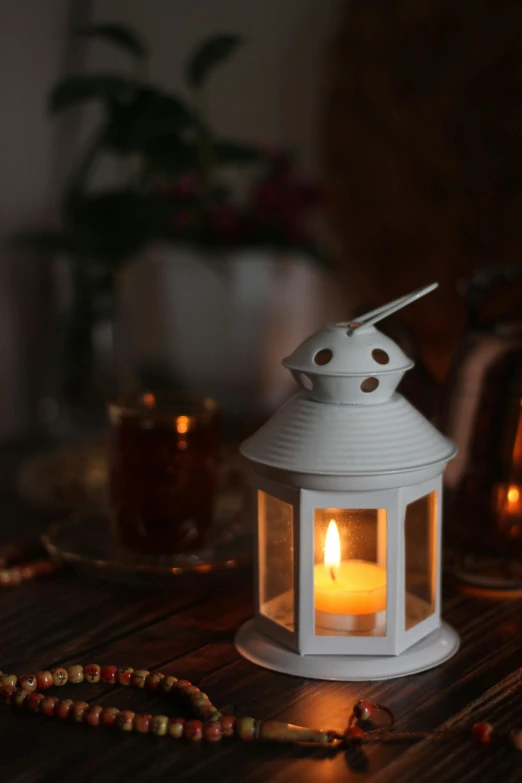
(348, 418)
(307, 436)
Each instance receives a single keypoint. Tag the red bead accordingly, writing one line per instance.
(125, 675)
(354, 735)
(213, 732)
(181, 685)
(62, 708)
(93, 714)
(482, 732)
(44, 679)
(153, 680)
(142, 723)
(191, 691)
(228, 723)
(79, 710)
(109, 674)
(193, 730)
(33, 701)
(48, 705)
(7, 693)
(109, 716)
(28, 682)
(363, 710)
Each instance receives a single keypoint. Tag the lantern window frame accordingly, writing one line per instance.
(304, 503)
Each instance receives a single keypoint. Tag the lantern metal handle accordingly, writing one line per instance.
(373, 316)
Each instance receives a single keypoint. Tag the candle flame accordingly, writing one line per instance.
(513, 494)
(332, 549)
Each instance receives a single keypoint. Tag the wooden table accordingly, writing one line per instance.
(190, 633)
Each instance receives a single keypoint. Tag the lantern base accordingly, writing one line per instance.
(431, 651)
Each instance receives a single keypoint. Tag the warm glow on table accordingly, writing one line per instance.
(347, 587)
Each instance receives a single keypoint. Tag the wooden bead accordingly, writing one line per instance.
(228, 723)
(28, 682)
(245, 728)
(5, 577)
(7, 693)
(63, 708)
(193, 730)
(199, 703)
(33, 700)
(482, 732)
(91, 673)
(142, 723)
(209, 713)
(19, 698)
(125, 675)
(75, 673)
(109, 674)
(79, 710)
(354, 735)
(109, 716)
(515, 738)
(44, 679)
(181, 685)
(213, 732)
(176, 727)
(139, 676)
(167, 684)
(59, 676)
(9, 679)
(48, 704)
(152, 681)
(191, 691)
(363, 710)
(125, 720)
(159, 725)
(93, 715)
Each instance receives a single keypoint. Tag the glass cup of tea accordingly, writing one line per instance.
(163, 452)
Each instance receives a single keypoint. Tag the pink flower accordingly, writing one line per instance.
(185, 186)
(224, 223)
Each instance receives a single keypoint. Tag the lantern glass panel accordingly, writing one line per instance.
(276, 559)
(420, 535)
(350, 572)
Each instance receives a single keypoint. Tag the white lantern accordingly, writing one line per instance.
(348, 497)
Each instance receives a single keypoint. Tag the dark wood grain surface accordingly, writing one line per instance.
(188, 630)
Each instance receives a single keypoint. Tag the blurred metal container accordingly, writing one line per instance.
(482, 413)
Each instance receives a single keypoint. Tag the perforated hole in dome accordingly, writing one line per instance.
(369, 385)
(304, 381)
(380, 356)
(323, 356)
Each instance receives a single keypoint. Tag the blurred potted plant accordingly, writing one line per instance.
(178, 186)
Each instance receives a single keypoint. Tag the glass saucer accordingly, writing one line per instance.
(85, 542)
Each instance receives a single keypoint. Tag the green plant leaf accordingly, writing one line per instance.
(150, 114)
(234, 153)
(117, 34)
(170, 156)
(207, 55)
(74, 90)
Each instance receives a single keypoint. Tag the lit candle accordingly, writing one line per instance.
(349, 594)
(509, 500)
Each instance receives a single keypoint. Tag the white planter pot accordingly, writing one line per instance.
(220, 326)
